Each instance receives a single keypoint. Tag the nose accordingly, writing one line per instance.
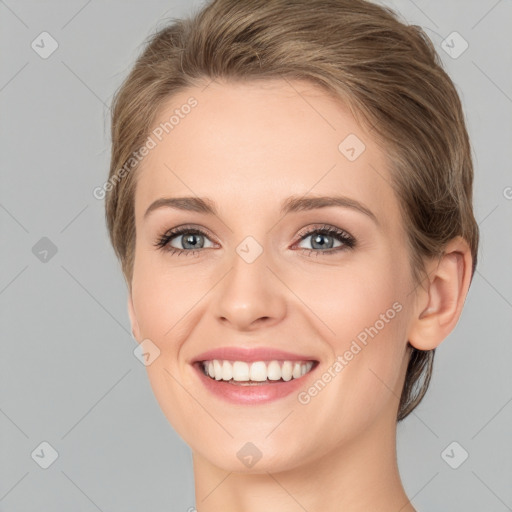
(250, 296)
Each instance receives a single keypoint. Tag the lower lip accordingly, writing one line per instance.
(251, 394)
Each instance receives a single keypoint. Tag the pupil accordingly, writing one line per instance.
(317, 240)
(189, 239)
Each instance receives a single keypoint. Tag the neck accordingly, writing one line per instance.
(357, 476)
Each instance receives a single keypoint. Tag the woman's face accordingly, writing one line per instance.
(276, 279)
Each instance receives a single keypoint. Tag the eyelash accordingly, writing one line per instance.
(347, 240)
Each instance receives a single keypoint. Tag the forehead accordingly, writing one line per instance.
(254, 141)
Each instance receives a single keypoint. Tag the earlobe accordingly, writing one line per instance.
(441, 300)
(133, 320)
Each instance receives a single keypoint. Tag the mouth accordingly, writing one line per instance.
(253, 373)
(243, 376)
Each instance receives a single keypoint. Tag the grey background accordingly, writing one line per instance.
(68, 375)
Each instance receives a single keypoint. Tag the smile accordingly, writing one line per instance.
(244, 372)
(253, 375)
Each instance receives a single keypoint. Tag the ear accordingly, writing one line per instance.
(441, 299)
(133, 320)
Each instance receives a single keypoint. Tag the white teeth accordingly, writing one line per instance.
(217, 368)
(274, 371)
(286, 371)
(258, 371)
(240, 371)
(227, 370)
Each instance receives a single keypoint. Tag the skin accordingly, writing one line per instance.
(248, 147)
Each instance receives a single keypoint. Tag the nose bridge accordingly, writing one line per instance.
(249, 291)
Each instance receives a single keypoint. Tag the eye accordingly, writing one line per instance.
(323, 240)
(188, 240)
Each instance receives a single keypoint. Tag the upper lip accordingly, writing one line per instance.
(250, 355)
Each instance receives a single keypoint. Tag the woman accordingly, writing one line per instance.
(290, 198)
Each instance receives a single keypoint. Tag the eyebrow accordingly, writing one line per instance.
(290, 205)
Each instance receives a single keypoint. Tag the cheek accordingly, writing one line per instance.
(363, 318)
(163, 300)
(344, 301)
(361, 383)
(162, 297)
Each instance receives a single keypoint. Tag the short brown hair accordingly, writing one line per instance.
(387, 72)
